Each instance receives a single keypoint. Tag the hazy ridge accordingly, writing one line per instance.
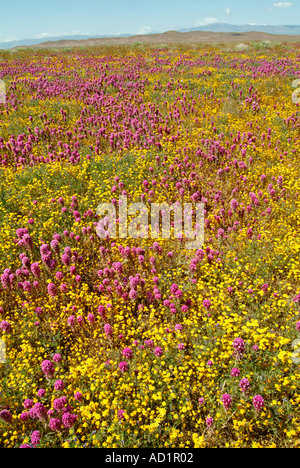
(217, 32)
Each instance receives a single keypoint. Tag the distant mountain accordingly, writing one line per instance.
(31, 42)
(188, 34)
(235, 28)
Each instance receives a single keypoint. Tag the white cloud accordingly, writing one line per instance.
(144, 30)
(207, 21)
(227, 11)
(45, 35)
(11, 39)
(282, 4)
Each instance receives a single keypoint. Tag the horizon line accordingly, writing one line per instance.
(45, 36)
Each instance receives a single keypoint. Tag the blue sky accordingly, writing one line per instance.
(23, 19)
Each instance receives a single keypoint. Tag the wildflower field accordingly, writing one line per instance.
(140, 342)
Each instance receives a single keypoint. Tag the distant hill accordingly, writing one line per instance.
(216, 32)
(226, 27)
(31, 42)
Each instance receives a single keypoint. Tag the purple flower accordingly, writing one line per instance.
(59, 275)
(57, 357)
(209, 422)
(91, 318)
(5, 326)
(31, 414)
(297, 298)
(132, 294)
(69, 419)
(35, 437)
(26, 241)
(178, 293)
(123, 366)
(64, 288)
(47, 259)
(28, 403)
(235, 372)
(24, 416)
(6, 416)
(5, 278)
(149, 343)
(21, 232)
(244, 385)
(258, 403)
(66, 259)
(57, 237)
(55, 246)
(78, 396)
(44, 249)
(55, 424)
(59, 385)
(48, 368)
(59, 403)
(239, 346)
(207, 304)
(39, 410)
(71, 321)
(35, 269)
(25, 261)
(27, 286)
(52, 291)
(41, 392)
(80, 320)
(127, 353)
(234, 204)
(227, 401)
(158, 351)
(108, 330)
